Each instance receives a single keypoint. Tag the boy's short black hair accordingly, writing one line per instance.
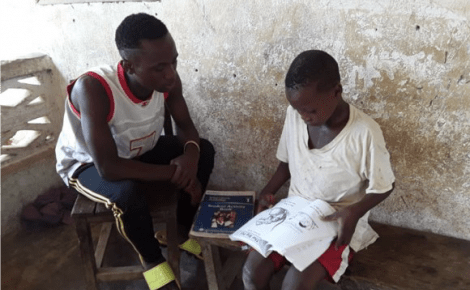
(311, 66)
(137, 27)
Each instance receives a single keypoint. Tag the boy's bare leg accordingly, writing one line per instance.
(257, 272)
(307, 279)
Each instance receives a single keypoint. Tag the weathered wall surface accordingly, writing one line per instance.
(406, 64)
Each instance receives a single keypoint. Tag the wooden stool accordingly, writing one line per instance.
(220, 277)
(85, 211)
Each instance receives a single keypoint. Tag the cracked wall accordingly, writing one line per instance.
(405, 64)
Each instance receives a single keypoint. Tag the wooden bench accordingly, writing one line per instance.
(410, 259)
(85, 212)
(162, 209)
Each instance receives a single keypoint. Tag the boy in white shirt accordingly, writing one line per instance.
(332, 151)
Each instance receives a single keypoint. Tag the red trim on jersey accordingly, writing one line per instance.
(103, 82)
(166, 95)
(127, 90)
(69, 99)
(108, 92)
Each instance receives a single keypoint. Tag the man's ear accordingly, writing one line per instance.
(128, 66)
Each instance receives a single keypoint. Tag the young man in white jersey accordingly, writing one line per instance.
(331, 151)
(111, 139)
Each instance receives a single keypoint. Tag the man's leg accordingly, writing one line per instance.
(168, 148)
(129, 206)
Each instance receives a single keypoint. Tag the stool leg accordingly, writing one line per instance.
(173, 250)
(213, 266)
(87, 252)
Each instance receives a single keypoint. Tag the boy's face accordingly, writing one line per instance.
(315, 108)
(154, 67)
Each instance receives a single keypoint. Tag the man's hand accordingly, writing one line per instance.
(186, 170)
(347, 221)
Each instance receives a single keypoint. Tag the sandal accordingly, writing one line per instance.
(191, 246)
(159, 276)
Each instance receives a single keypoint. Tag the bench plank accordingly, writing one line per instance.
(83, 206)
(409, 259)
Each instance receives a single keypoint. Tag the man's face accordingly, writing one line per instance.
(154, 67)
(314, 107)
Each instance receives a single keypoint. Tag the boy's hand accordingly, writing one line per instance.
(264, 201)
(347, 221)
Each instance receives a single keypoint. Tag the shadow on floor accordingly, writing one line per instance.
(48, 258)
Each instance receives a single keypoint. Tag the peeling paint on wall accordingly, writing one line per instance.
(405, 63)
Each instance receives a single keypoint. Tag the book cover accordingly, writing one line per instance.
(223, 212)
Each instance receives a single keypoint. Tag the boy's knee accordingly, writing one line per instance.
(248, 277)
(257, 272)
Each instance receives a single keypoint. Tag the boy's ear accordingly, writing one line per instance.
(338, 90)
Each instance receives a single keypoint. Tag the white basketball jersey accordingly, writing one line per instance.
(135, 124)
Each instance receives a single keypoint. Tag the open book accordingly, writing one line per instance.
(222, 213)
(293, 228)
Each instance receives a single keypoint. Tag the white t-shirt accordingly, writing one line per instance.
(353, 164)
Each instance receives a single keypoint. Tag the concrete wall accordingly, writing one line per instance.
(22, 187)
(30, 170)
(406, 63)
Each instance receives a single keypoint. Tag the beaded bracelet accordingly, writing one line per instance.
(192, 142)
(270, 198)
(267, 200)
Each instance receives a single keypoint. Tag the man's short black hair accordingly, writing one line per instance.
(137, 27)
(311, 66)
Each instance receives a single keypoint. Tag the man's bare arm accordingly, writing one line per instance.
(186, 164)
(89, 97)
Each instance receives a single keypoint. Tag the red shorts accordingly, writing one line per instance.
(334, 261)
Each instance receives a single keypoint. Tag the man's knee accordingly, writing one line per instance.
(207, 150)
(130, 197)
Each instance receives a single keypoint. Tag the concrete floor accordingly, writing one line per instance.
(48, 258)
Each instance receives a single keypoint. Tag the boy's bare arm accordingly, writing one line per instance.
(90, 98)
(348, 217)
(280, 177)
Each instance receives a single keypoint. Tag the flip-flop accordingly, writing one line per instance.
(159, 276)
(191, 246)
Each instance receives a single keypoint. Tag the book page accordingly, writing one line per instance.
(304, 254)
(292, 221)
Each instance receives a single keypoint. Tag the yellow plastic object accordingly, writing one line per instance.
(193, 247)
(159, 276)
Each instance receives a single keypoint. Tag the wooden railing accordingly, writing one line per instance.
(31, 101)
